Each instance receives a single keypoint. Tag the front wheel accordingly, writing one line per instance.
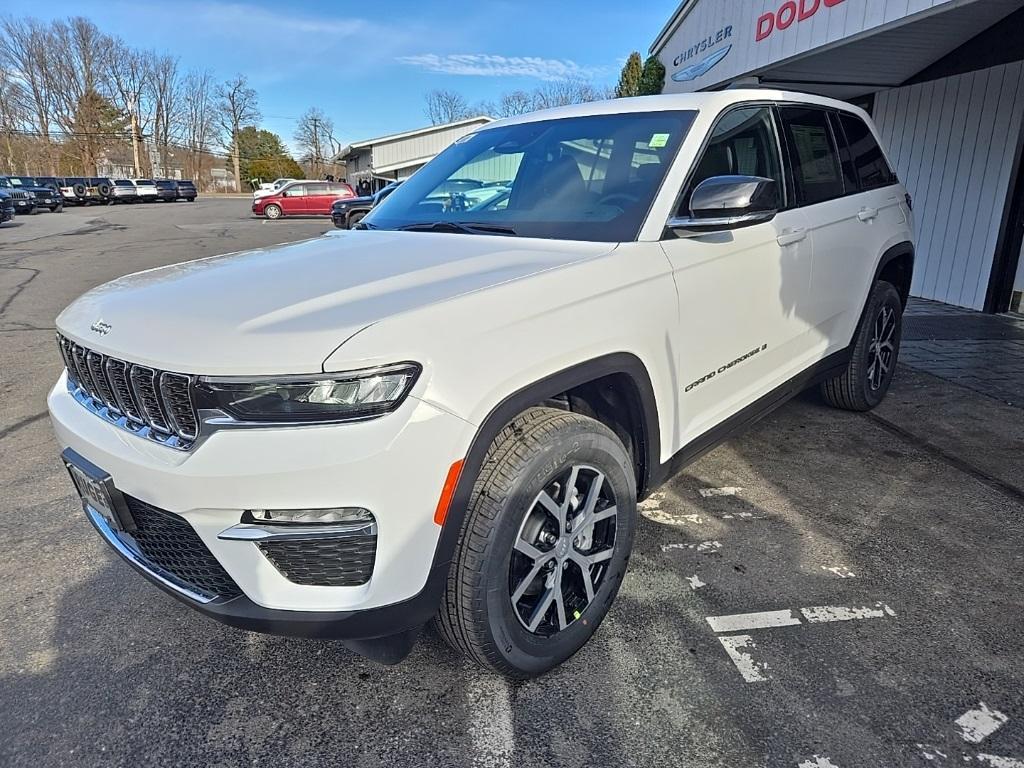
(273, 211)
(544, 545)
(876, 348)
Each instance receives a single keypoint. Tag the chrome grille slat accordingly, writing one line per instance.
(144, 401)
(117, 374)
(176, 391)
(95, 362)
(143, 381)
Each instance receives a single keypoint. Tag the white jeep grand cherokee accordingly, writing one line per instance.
(450, 414)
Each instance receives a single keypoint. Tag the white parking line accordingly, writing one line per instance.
(826, 613)
(744, 622)
(1001, 762)
(976, 724)
(489, 701)
(840, 570)
(728, 490)
(817, 761)
(736, 646)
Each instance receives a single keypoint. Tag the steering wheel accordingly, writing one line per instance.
(627, 199)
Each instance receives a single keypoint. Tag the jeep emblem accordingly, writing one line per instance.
(100, 327)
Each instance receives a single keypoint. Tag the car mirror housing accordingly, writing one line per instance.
(728, 202)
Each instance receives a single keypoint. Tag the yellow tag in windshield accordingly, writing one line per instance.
(658, 140)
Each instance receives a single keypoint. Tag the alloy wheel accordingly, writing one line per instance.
(882, 350)
(561, 553)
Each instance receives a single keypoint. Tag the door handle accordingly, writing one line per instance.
(791, 236)
(867, 214)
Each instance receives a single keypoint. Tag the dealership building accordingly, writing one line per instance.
(944, 82)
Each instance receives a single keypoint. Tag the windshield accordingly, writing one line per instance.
(580, 178)
(21, 181)
(123, 183)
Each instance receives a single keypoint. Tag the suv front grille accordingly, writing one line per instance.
(144, 401)
(167, 541)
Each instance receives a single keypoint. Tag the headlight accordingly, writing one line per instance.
(310, 399)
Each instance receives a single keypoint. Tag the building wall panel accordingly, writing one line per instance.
(948, 141)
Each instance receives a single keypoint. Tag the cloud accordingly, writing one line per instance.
(491, 65)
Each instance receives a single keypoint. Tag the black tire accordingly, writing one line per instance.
(58, 208)
(355, 218)
(477, 616)
(33, 210)
(876, 350)
(104, 189)
(273, 211)
(79, 190)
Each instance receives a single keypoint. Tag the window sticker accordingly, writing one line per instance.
(658, 140)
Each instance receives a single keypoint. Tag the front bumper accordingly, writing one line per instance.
(394, 466)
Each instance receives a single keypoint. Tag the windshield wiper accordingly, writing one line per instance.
(466, 227)
(363, 225)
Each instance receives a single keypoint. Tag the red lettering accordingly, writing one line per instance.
(765, 26)
(807, 11)
(786, 15)
(832, 3)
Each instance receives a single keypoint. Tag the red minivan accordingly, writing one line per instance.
(302, 198)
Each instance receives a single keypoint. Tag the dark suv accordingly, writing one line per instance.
(39, 196)
(166, 190)
(6, 206)
(187, 190)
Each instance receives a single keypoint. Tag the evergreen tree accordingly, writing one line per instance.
(652, 79)
(629, 80)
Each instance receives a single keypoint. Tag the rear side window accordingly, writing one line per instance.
(316, 188)
(813, 154)
(868, 159)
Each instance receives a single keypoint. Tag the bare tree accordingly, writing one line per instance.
(514, 103)
(237, 105)
(128, 79)
(165, 95)
(564, 92)
(25, 55)
(446, 107)
(13, 104)
(315, 137)
(75, 79)
(198, 118)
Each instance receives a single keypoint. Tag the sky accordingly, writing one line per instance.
(368, 65)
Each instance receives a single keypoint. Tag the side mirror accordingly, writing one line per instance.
(728, 202)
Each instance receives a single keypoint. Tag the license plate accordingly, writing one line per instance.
(97, 491)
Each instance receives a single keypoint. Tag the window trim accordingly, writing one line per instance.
(797, 188)
(668, 234)
(894, 177)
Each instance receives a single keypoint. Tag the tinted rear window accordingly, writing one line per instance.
(165, 185)
(813, 154)
(124, 183)
(868, 159)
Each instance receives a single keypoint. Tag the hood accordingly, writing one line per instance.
(285, 309)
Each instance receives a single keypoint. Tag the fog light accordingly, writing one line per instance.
(330, 515)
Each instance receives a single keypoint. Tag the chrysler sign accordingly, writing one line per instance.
(789, 13)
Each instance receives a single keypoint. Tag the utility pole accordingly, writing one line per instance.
(136, 138)
(316, 146)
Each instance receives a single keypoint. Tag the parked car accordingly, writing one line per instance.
(42, 195)
(166, 190)
(104, 189)
(81, 190)
(187, 190)
(146, 190)
(302, 198)
(124, 192)
(269, 188)
(24, 199)
(7, 212)
(349, 211)
(451, 416)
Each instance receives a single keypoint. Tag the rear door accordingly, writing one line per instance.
(846, 225)
(293, 199)
(319, 198)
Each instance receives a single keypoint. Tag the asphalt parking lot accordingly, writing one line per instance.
(829, 590)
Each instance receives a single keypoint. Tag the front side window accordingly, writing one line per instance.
(580, 178)
(868, 159)
(743, 143)
(813, 154)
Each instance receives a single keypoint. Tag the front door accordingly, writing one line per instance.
(742, 292)
(293, 200)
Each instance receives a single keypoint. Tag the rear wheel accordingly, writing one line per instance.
(273, 211)
(867, 377)
(544, 545)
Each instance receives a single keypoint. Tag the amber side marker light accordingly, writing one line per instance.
(447, 492)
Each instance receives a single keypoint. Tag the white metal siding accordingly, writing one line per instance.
(424, 145)
(951, 142)
(827, 26)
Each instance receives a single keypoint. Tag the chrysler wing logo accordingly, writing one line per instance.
(100, 327)
(702, 67)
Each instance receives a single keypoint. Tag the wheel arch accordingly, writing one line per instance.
(897, 267)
